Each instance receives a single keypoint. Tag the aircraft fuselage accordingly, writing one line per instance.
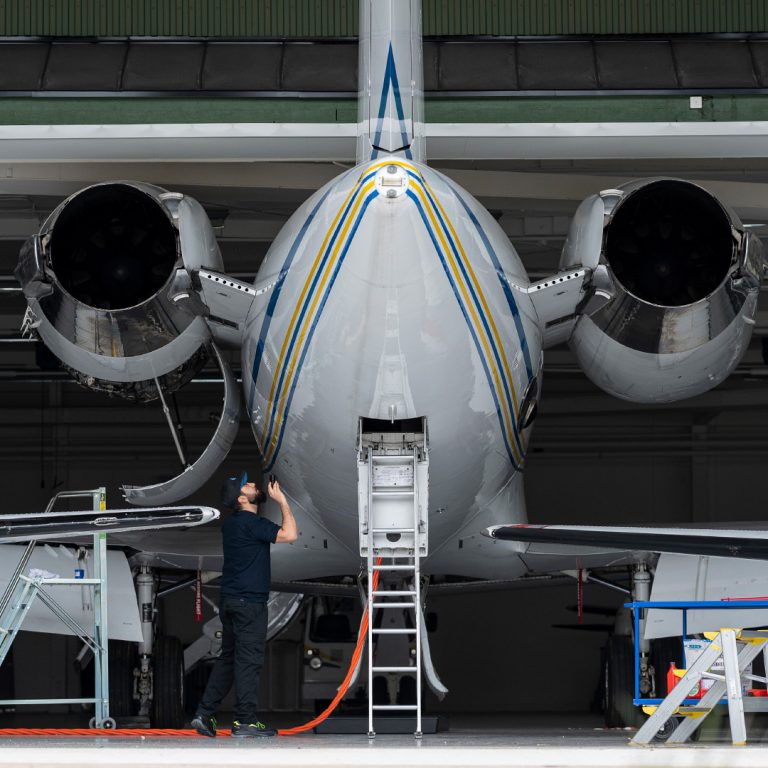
(392, 297)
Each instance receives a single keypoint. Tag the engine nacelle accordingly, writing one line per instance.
(109, 290)
(681, 277)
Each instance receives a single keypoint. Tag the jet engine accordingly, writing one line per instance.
(674, 287)
(109, 287)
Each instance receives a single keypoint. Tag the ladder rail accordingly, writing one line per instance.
(369, 548)
(17, 613)
(417, 587)
(14, 580)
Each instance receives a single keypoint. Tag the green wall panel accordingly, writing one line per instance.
(338, 18)
(641, 109)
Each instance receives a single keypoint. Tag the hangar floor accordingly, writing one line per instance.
(476, 740)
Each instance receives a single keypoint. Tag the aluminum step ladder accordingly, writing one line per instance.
(393, 511)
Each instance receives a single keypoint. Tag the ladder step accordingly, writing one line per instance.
(393, 530)
(396, 706)
(393, 592)
(393, 605)
(392, 493)
(393, 631)
(394, 669)
(394, 567)
(391, 458)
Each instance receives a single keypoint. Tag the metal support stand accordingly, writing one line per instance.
(681, 707)
(735, 662)
(22, 591)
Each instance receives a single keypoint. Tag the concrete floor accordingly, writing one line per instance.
(493, 740)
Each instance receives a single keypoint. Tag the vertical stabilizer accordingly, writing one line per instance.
(391, 80)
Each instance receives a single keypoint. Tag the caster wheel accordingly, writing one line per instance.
(666, 730)
(108, 723)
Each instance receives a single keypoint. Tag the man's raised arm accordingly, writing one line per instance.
(288, 531)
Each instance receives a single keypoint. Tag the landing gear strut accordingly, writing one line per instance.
(641, 592)
(159, 678)
(145, 591)
(619, 662)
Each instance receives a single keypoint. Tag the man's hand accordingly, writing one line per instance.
(274, 491)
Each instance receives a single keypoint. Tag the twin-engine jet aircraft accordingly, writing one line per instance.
(393, 303)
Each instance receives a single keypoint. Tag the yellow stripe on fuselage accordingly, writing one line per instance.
(487, 311)
(308, 282)
(299, 304)
(360, 192)
(470, 307)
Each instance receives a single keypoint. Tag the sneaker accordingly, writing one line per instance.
(249, 730)
(205, 725)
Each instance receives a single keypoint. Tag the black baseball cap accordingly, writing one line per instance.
(232, 489)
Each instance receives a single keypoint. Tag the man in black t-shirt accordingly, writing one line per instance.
(245, 583)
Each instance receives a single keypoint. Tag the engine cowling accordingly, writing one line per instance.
(679, 275)
(109, 288)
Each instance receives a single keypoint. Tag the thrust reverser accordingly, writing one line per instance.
(109, 287)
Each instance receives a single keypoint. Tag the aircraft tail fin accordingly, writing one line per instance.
(391, 80)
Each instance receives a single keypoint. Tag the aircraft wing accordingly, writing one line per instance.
(749, 542)
(315, 554)
(58, 525)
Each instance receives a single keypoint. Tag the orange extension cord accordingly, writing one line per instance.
(166, 732)
(352, 666)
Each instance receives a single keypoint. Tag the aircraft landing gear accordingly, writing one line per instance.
(619, 662)
(641, 591)
(122, 666)
(168, 683)
(619, 669)
(159, 678)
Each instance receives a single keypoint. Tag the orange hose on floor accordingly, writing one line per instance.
(92, 732)
(361, 637)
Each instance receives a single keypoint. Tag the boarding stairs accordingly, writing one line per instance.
(392, 504)
(726, 662)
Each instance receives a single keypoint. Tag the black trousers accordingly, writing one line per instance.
(242, 656)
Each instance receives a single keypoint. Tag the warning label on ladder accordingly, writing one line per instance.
(390, 475)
